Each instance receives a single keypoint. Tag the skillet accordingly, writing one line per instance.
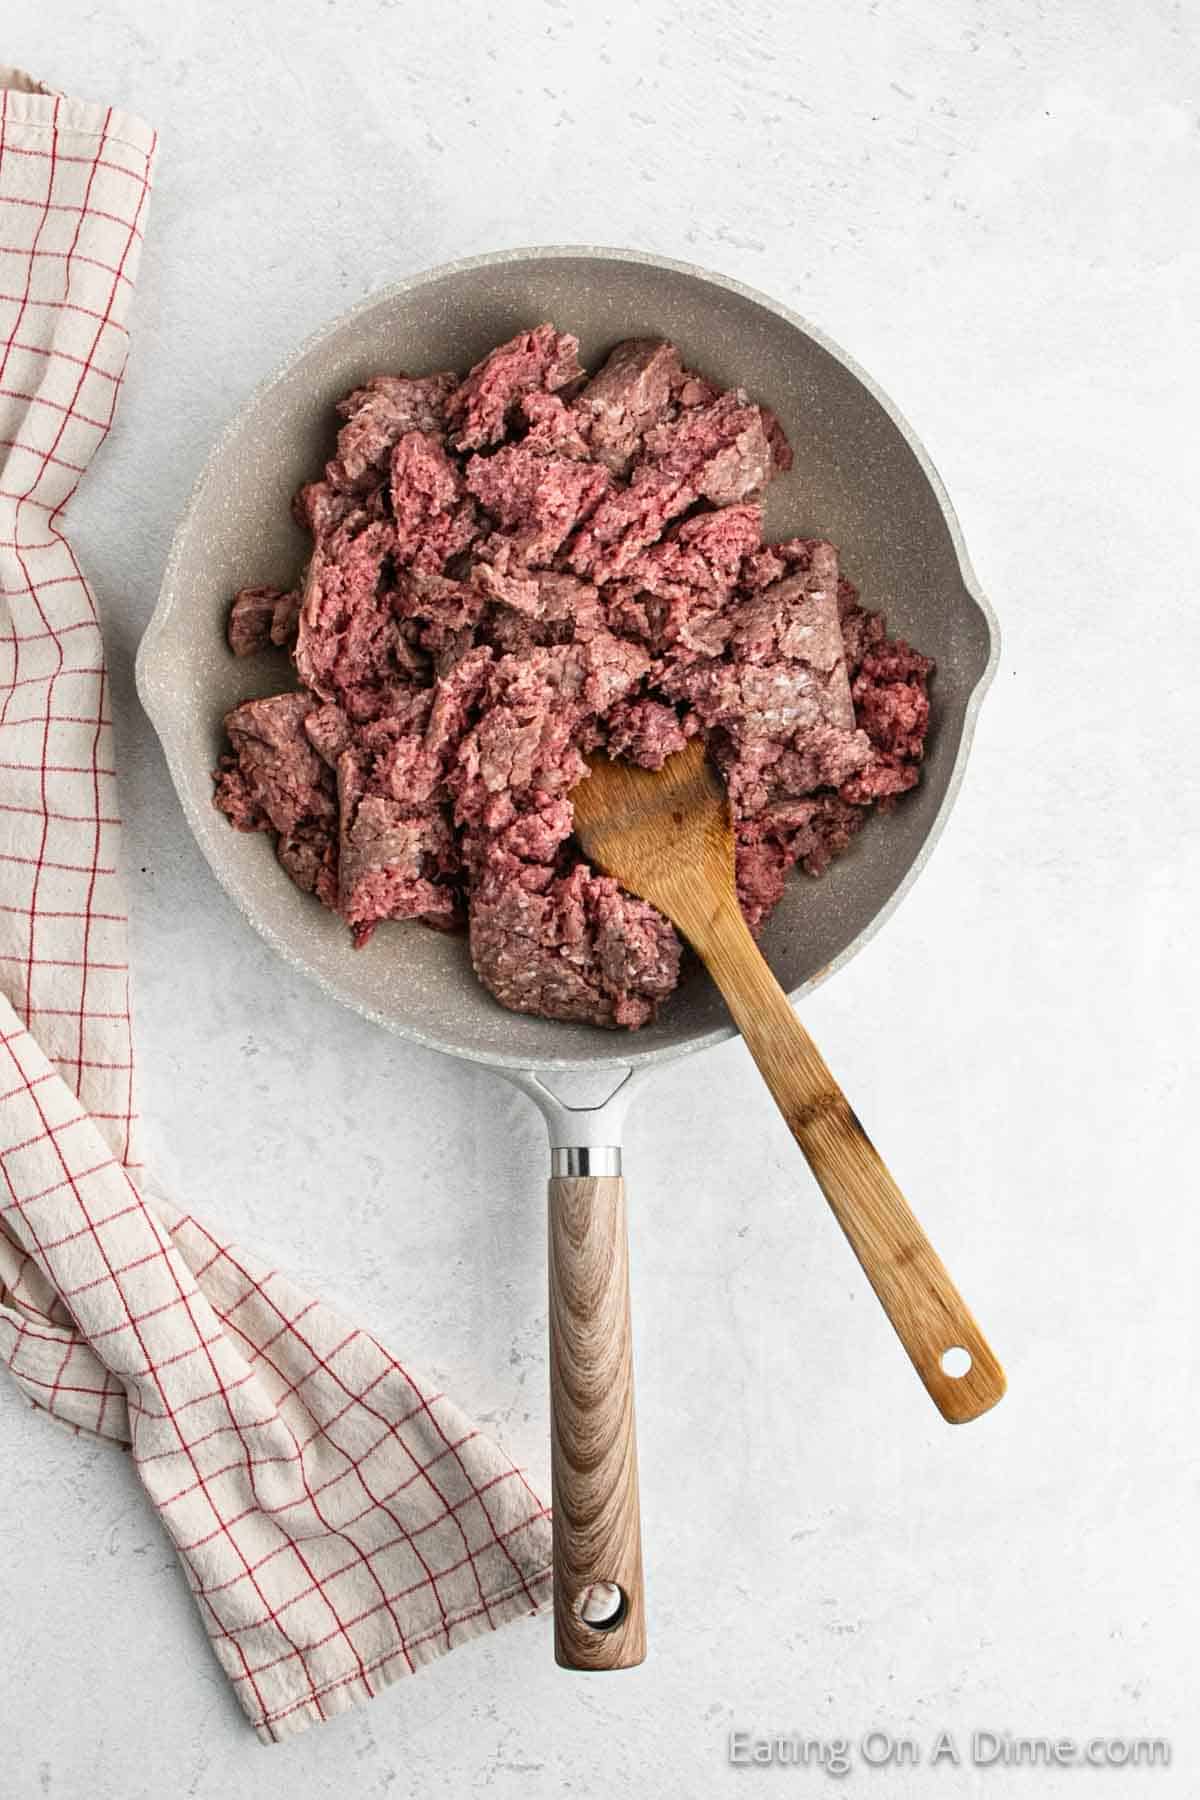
(862, 479)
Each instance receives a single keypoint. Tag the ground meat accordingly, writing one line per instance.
(319, 508)
(438, 614)
(510, 571)
(719, 448)
(805, 832)
(861, 631)
(631, 393)
(676, 594)
(389, 855)
(781, 450)
(285, 619)
(796, 620)
(283, 779)
(891, 702)
(552, 427)
(526, 739)
(570, 947)
(329, 731)
(309, 854)
(629, 519)
(349, 646)
(778, 699)
(251, 616)
(234, 796)
(539, 361)
(537, 834)
(434, 520)
(378, 415)
(541, 607)
(717, 452)
(538, 500)
(644, 732)
(703, 554)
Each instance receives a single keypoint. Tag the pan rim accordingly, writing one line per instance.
(150, 695)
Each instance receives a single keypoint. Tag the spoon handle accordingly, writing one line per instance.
(928, 1312)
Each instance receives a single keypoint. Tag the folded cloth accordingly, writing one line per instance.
(339, 1521)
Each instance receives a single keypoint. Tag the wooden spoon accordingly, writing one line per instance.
(668, 836)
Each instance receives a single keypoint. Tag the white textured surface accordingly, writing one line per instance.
(993, 207)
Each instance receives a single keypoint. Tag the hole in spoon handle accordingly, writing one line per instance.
(964, 1379)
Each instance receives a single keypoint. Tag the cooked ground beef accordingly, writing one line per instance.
(515, 568)
(261, 617)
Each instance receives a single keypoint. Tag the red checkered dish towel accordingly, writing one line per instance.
(339, 1521)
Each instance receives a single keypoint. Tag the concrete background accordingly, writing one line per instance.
(993, 206)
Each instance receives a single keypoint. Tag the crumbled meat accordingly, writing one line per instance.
(513, 570)
(319, 508)
(438, 613)
(433, 519)
(349, 647)
(721, 449)
(309, 854)
(551, 608)
(570, 947)
(283, 777)
(554, 609)
(538, 500)
(520, 593)
(552, 426)
(806, 832)
(535, 835)
(260, 617)
(378, 415)
(676, 593)
(644, 732)
(479, 408)
(779, 699)
(703, 553)
(717, 452)
(861, 631)
(329, 731)
(629, 519)
(779, 696)
(797, 620)
(763, 567)
(285, 619)
(891, 702)
(526, 740)
(694, 390)
(234, 796)
(631, 393)
(251, 617)
(388, 855)
(781, 450)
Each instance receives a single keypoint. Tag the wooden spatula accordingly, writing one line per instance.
(668, 837)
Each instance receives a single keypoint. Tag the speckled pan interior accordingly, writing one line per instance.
(860, 478)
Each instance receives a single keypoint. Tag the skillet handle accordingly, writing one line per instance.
(599, 1604)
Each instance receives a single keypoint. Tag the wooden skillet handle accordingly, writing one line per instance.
(597, 1525)
(913, 1286)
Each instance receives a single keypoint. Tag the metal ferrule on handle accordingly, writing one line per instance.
(585, 1159)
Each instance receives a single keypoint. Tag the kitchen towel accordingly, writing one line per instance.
(339, 1521)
